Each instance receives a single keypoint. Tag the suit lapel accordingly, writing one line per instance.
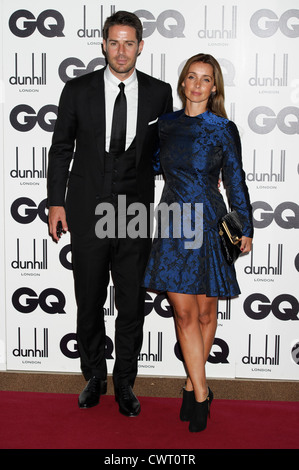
(96, 96)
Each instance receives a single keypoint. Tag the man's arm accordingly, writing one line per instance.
(60, 157)
(169, 101)
(61, 151)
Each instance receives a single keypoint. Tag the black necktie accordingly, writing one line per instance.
(119, 123)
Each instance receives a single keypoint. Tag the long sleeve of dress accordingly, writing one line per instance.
(234, 178)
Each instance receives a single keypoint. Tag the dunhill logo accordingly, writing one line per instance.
(162, 75)
(149, 355)
(31, 79)
(34, 263)
(265, 359)
(225, 315)
(222, 33)
(273, 79)
(267, 269)
(109, 311)
(270, 175)
(35, 351)
(86, 32)
(32, 172)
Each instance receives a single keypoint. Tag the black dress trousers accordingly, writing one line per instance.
(93, 258)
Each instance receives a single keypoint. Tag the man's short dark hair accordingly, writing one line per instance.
(124, 18)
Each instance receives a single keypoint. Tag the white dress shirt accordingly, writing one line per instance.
(111, 92)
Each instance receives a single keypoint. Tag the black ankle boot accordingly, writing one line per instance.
(210, 398)
(198, 421)
(187, 405)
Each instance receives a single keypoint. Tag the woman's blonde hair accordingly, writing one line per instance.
(216, 99)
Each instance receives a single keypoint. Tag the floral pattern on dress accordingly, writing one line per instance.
(193, 152)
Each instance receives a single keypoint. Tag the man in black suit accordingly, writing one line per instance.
(101, 174)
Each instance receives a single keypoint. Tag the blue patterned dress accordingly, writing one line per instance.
(193, 152)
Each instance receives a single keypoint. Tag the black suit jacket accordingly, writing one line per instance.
(79, 138)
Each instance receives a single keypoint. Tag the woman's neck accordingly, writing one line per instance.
(194, 109)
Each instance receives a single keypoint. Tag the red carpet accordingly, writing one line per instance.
(54, 421)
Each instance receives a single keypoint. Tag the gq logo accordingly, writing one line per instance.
(69, 346)
(31, 210)
(272, 23)
(43, 23)
(32, 301)
(159, 304)
(264, 307)
(73, 67)
(175, 30)
(263, 120)
(65, 257)
(218, 355)
(31, 118)
(267, 214)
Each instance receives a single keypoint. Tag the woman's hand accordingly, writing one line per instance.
(246, 244)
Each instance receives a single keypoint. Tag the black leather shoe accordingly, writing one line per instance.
(128, 403)
(92, 392)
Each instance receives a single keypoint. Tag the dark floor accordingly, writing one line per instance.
(233, 389)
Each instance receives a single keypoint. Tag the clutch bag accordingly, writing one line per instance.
(230, 231)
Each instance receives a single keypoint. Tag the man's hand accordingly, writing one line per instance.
(56, 214)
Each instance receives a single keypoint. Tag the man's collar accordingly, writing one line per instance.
(113, 79)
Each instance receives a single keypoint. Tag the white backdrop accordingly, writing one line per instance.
(46, 43)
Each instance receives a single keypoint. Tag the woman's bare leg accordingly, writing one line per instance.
(196, 322)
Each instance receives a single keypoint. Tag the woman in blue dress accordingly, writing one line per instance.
(196, 144)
